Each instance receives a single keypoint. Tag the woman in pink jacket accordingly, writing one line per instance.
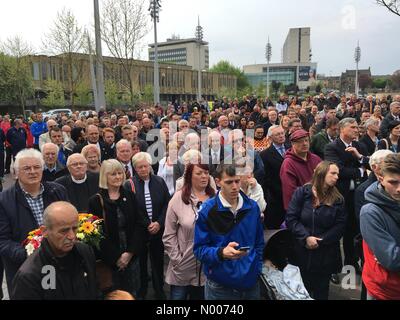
(184, 271)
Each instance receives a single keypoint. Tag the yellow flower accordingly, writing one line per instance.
(87, 227)
(80, 236)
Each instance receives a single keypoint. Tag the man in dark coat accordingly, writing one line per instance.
(21, 208)
(80, 184)
(394, 114)
(272, 186)
(72, 264)
(322, 138)
(93, 137)
(351, 158)
(53, 169)
(16, 137)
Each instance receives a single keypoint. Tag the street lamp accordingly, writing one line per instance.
(268, 54)
(101, 99)
(199, 39)
(357, 58)
(155, 15)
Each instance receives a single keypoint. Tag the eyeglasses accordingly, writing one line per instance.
(78, 164)
(28, 169)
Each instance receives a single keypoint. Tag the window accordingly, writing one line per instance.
(35, 71)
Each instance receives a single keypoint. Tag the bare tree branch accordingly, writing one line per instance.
(66, 39)
(124, 25)
(392, 5)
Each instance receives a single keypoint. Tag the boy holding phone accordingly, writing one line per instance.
(229, 240)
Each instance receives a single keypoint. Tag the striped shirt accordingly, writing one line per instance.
(147, 200)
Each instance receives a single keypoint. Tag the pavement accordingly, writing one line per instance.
(337, 292)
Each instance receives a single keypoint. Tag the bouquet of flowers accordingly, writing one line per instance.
(89, 232)
(33, 241)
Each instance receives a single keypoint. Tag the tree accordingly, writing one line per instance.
(392, 5)
(55, 94)
(112, 94)
(147, 95)
(19, 68)
(275, 86)
(226, 67)
(124, 25)
(225, 92)
(5, 78)
(379, 83)
(84, 96)
(66, 39)
(318, 88)
(395, 80)
(365, 81)
(261, 90)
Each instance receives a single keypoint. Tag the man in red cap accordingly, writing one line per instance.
(299, 164)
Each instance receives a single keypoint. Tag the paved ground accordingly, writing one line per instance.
(337, 292)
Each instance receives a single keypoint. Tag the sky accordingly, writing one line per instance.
(238, 30)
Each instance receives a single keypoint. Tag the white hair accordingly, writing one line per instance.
(378, 157)
(370, 122)
(272, 128)
(28, 153)
(50, 144)
(141, 156)
(122, 142)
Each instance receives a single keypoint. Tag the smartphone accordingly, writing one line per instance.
(244, 249)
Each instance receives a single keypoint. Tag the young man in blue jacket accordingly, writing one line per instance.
(229, 241)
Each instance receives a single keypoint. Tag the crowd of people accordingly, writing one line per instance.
(199, 184)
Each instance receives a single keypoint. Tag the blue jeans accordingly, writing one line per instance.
(186, 293)
(215, 291)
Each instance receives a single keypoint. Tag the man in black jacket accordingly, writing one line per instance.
(350, 156)
(16, 137)
(21, 208)
(80, 184)
(272, 186)
(93, 137)
(53, 169)
(67, 268)
(394, 114)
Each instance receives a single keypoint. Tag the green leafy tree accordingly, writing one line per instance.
(275, 86)
(147, 95)
(225, 92)
(318, 88)
(228, 68)
(261, 90)
(83, 95)
(112, 93)
(55, 94)
(379, 83)
(18, 71)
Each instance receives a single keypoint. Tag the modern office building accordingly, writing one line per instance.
(296, 67)
(297, 47)
(182, 52)
(300, 74)
(176, 81)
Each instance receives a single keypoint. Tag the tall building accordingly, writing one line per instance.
(296, 68)
(182, 52)
(297, 47)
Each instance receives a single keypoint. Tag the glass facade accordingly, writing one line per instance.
(284, 75)
(177, 56)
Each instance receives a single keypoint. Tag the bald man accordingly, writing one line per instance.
(62, 268)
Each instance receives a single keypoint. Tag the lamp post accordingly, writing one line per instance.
(101, 99)
(199, 38)
(357, 58)
(155, 15)
(268, 55)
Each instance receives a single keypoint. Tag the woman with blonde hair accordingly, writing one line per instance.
(317, 219)
(123, 227)
(92, 155)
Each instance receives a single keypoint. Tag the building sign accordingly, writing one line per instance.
(307, 74)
